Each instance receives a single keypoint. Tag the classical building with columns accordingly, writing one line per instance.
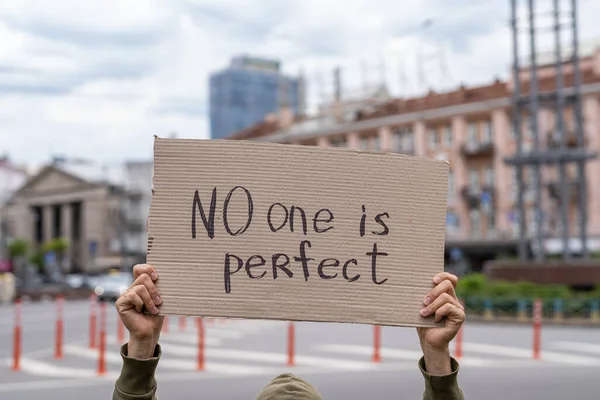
(471, 128)
(55, 203)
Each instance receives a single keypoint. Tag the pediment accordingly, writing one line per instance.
(52, 179)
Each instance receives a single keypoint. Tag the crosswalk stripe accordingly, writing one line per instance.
(178, 338)
(36, 367)
(525, 353)
(267, 357)
(170, 363)
(368, 351)
(387, 352)
(577, 346)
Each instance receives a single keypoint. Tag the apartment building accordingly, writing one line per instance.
(249, 88)
(471, 127)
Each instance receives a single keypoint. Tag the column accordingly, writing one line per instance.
(591, 127)
(501, 132)
(420, 133)
(66, 216)
(353, 140)
(385, 138)
(66, 220)
(459, 168)
(48, 222)
(322, 141)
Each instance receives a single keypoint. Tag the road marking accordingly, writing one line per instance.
(577, 346)
(170, 363)
(109, 381)
(276, 358)
(525, 353)
(179, 338)
(191, 339)
(35, 367)
(386, 352)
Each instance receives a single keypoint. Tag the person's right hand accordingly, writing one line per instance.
(144, 327)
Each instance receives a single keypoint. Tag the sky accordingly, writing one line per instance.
(97, 79)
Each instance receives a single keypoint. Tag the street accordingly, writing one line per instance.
(243, 355)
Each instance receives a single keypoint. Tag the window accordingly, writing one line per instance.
(448, 136)
(451, 184)
(472, 134)
(488, 136)
(452, 221)
(489, 176)
(473, 179)
(364, 143)
(409, 141)
(527, 131)
(491, 221)
(376, 143)
(475, 220)
(397, 140)
(338, 142)
(433, 139)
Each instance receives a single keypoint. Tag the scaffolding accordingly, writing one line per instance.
(560, 155)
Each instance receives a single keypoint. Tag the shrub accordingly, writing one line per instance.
(18, 248)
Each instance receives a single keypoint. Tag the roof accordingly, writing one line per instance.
(497, 90)
(93, 173)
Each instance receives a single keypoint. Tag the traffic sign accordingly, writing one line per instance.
(49, 258)
(455, 253)
(486, 198)
(93, 247)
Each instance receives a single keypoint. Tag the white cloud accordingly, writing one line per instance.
(99, 78)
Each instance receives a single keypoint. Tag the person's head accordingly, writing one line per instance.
(288, 387)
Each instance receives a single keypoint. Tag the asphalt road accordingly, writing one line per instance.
(242, 356)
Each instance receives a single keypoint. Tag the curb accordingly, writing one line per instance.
(32, 297)
(575, 322)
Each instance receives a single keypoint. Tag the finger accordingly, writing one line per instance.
(128, 300)
(446, 276)
(146, 281)
(438, 303)
(141, 269)
(144, 294)
(451, 311)
(444, 287)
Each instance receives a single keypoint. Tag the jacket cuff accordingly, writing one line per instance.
(442, 384)
(137, 380)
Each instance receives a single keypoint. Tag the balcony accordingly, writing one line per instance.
(485, 148)
(570, 139)
(475, 197)
(554, 189)
(407, 151)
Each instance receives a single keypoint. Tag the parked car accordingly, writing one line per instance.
(110, 287)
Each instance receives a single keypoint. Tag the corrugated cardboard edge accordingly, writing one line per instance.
(151, 237)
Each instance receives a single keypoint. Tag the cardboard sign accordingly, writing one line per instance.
(261, 230)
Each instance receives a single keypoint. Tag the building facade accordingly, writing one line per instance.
(11, 178)
(472, 129)
(138, 186)
(55, 203)
(243, 93)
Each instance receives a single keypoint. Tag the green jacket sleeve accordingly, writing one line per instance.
(441, 387)
(137, 380)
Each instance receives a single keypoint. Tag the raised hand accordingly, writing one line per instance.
(137, 308)
(442, 303)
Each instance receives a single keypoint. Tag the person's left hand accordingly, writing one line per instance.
(441, 302)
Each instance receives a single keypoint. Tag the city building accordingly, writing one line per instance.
(138, 186)
(471, 127)
(100, 210)
(56, 203)
(11, 178)
(248, 89)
